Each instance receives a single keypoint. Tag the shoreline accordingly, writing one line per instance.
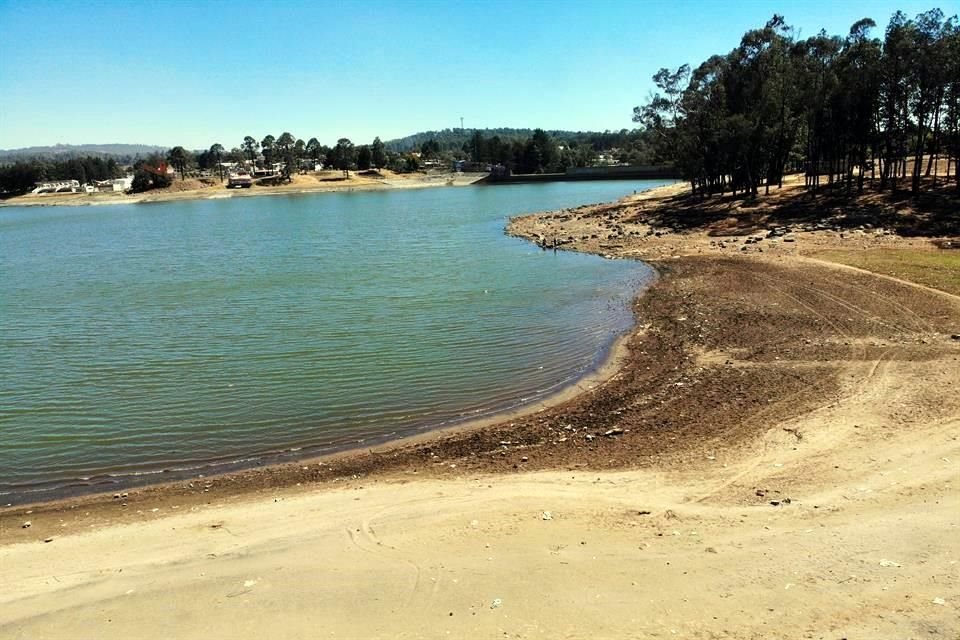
(528, 227)
(300, 186)
(607, 365)
(774, 456)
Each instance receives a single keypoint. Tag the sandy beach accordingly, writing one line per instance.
(775, 454)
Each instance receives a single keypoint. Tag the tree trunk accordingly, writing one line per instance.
(860, 177)
(918, 156)
(884, 171)
(935, 142)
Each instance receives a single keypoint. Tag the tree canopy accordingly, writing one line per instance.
(840, 107)
(343, 155)
(378, 153)
(180, 158)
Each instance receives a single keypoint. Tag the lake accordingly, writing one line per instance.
(197, 336)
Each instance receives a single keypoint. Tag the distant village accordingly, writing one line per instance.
(275, 161)
(240, 174)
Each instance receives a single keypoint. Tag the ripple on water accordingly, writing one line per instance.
(176, 336)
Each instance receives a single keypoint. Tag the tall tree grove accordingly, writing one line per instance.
(837, 108)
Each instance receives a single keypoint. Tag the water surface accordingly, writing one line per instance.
(143, 338)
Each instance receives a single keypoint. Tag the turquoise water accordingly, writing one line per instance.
(143, 338)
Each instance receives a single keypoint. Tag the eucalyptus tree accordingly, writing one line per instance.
(250, 147)
(476, 147)
(894, 92)
(837, 106)
(300, 150)
(930, 78)
(430, 148)
(314, 149)
(541, 152)
(780, 104)
(285, 149)
(951, 122)
(364, 157)
(663, 114)
(823, 129)
(268, 147)
(179, 158)
(499, 151)
(859, 74)
(941, 68)
(702, 142)
(343, 155)
(753, 87)
(378, 153)
(216, 152)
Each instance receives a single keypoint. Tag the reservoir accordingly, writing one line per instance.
(203, 335)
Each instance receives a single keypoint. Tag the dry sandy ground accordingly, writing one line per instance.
(778, 458)
(867, 548)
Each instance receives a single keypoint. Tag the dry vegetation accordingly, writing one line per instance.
(937, 269)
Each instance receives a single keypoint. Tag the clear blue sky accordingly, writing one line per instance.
(194, 73)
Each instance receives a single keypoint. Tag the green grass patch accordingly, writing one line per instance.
(937, 268)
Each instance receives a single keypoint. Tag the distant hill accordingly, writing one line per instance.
(449, 139)
(61, 151)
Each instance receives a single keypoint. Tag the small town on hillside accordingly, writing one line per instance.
(500, 154)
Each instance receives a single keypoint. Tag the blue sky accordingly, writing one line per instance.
(195, 73)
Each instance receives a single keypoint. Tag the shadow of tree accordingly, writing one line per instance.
(935, 212)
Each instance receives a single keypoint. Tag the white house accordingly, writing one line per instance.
(116, 185)
(59, 186)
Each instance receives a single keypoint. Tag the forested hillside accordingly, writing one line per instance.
(457, 140)
(121, 152)
(454, 139)
(535, 150)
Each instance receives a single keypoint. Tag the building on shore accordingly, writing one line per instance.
(57, 186)
(113, 185)
(116, 185)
